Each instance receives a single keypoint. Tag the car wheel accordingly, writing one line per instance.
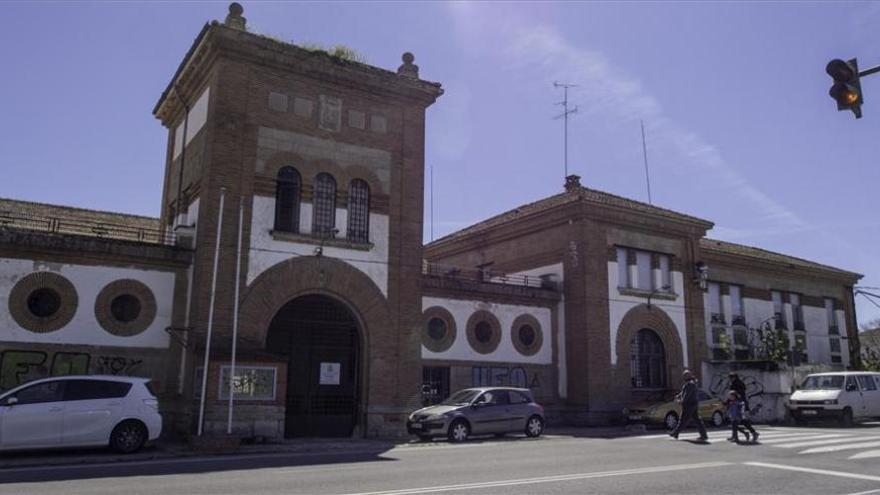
(846, 418)
(459, 431)
(717, 419)
(534, 427)
(128, 437)
(671, 420)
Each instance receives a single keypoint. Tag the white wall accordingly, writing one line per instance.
(266, 252)
(562, 363)
(619, 305)
(88, 281)
(198, 116)
(461, 350)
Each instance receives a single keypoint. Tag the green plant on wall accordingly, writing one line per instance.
(341, 52)
(870, 359)
(774, 345)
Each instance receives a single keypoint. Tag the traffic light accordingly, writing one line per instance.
(846, 91)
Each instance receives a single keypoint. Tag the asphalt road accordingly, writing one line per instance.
(788, 461)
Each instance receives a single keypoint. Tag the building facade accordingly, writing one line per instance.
(290, 237)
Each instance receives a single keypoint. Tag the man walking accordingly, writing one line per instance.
(689, 407)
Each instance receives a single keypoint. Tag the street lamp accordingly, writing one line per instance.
(665, 288)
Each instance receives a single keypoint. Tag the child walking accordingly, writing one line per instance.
(738, 423)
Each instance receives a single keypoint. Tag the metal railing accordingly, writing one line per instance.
(84, 227)
(486, 276)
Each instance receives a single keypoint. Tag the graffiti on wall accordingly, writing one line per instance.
(496, 376)
(17, 367)
(720, 385)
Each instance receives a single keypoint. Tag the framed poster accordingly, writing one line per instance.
(330, 373)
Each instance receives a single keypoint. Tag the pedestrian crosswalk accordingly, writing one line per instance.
(805, 442)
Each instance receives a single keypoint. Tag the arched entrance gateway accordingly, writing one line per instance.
(319, 336)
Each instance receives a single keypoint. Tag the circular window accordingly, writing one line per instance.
(527, 335)
(125, 307)
(439, 329)
(436, 329)
(483, 332)
(42, 302)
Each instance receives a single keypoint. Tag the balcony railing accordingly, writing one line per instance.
(486, 276)
(84, 227)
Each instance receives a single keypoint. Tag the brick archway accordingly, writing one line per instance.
(657, 320)
(296, 277)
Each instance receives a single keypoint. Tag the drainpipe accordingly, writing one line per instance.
(855, 357)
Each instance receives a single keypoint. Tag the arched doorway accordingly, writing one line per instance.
(319, 336)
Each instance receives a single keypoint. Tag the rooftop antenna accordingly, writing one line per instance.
(564, 115)
(645, 154)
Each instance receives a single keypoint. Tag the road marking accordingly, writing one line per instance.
(841, 474)
(866, 455)
(725, 434)
(804, 438)
(812, 443)
(869, 492)
(545, 479)
(838, 448)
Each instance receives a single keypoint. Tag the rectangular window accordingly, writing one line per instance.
(435, 384)
(778, 313)
(714, 295)
(737, 317)
(867, 382)
(829, 315)
(797, 312)
(622, 269)
(834, 344)
(250, 383)
(800, 348)
(665, 277)
(643, 262)
(741, 344)
(720, 344)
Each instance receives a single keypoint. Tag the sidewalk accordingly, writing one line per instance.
(170, 449)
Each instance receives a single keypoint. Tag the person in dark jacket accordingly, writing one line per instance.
(736, 411)
(738, 386)
(690, 403)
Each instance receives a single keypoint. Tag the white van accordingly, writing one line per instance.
(845, 395)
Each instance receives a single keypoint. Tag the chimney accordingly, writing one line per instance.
(234, 18)
(573, 183)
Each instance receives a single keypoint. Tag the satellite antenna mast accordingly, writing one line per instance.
(645, 153)
(564, 115)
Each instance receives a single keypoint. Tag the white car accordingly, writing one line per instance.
(80, 411)
(844, 395)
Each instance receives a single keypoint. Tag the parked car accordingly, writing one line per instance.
(479, 411)
(663, 410)
(80, 411)
(846, 396)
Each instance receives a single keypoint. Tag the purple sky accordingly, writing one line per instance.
(740, 130)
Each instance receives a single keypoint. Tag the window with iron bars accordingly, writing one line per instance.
(359, 211)
(647, 360)
(287, 197)
(324, 214)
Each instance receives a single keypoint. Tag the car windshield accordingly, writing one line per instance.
(461, 397)
(834, 382)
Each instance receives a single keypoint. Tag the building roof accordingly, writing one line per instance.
(724, 247)
(58, 219)
(573, 195)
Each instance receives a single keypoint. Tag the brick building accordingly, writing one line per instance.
(345, 321)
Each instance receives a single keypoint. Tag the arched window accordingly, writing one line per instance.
(647, 360)
(324, 214)
(287, 195)
(359, 211)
